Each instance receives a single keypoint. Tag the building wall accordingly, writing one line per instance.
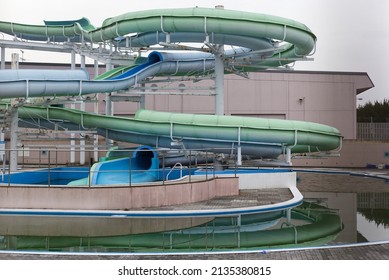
(322, 97)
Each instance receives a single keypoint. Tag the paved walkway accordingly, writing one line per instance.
(246, 198)
(361, 252)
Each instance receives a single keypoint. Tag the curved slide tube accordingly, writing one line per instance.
(257, 137)
(36, 83)
(218, 26)
(253, 33)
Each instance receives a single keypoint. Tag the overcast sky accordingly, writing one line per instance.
(353, 35)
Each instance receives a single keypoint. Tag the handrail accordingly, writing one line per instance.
(174, 166)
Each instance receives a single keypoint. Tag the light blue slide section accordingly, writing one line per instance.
(36, 83)
(142, 166)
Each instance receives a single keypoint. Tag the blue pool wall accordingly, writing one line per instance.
(58, 176)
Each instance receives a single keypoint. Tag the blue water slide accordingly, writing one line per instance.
(142, 166)
(33, 82)
(153, 58)
(158, 57)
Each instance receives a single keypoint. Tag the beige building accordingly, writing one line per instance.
(323, 97)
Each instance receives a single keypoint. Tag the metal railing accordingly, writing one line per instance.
(47, 167)
(173, 168)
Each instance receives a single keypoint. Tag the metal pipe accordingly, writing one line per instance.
(239, 149)
(219, 81)
(2, 57)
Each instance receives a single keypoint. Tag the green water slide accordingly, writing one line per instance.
(259, 41)
(114, 72)
(250, 30)
(258, 137)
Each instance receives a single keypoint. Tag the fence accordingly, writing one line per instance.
(373, 132)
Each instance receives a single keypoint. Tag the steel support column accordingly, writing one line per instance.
(219, 81)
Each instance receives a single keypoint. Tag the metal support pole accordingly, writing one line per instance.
(14, 127)
(14, 61)
(239, 149)
(108, 112)
(2, 154)
(96, 110)
(288, 215)
(82, 108)
(48, 170)
(82, 140)
(72, 106)
(288, 159)
(239, 156)
(2, 57)
(82, 61)
(82, 149)
(108, 102)
(239, 224)
(219, 81)
(73, 60)
(72, 142)
(142, 103)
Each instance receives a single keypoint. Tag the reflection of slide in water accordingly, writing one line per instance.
(320, 227)
(61, 225)
(246, 223)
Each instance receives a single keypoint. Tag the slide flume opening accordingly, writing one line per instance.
(143, 158)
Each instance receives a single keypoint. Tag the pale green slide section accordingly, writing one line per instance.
(251, 32)
(301, 41)
(258, 137)
(260, 41)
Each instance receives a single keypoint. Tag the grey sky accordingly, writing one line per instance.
(353, 35)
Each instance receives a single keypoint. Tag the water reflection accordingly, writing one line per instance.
(363, 203)
(363, 216)
(91, 226)
(311, 224)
